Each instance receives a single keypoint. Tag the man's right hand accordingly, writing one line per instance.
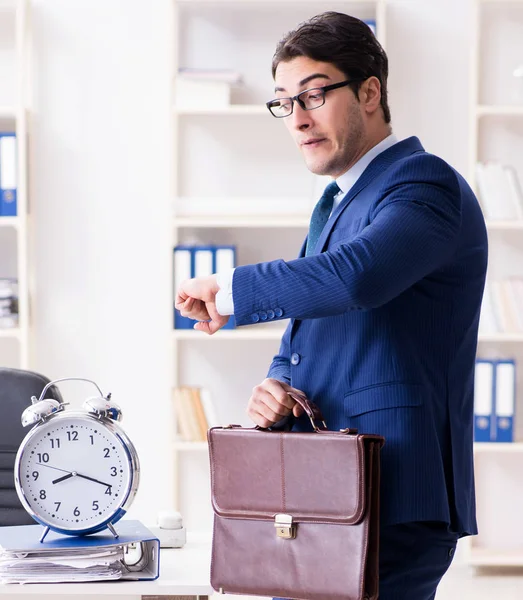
(270, 403)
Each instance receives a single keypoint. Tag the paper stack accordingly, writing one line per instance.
(96, 557)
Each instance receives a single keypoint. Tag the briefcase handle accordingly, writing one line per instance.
(311, 410)
(314, 413)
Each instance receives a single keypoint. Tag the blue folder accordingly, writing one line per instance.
(132, 535)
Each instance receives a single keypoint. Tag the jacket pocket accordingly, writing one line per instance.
(382, 396)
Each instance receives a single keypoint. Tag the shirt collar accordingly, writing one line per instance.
(349, 178)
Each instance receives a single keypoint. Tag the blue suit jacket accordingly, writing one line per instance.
(384, 323)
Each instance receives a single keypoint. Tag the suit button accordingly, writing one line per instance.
(270, 314)
(295, 358)
(263, 315)
(451, 552)
(278, 312)
(255, 317)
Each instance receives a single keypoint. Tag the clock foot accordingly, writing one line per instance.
(112, 530)
(46, 531)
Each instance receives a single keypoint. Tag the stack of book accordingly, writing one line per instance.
(205, 88)
(195, 413)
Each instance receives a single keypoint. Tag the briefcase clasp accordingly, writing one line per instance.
(284, 526)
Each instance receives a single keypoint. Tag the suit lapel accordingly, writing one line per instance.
(377, 166)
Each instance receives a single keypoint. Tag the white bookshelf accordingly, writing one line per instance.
(246, 221)
(506, 111)
(238, 152)
(14, 117)
(231, 111)
(504, 225)
(496, 134)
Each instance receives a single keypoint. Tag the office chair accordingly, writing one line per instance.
(16, 389)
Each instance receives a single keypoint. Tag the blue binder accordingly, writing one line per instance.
(8, 175)
(505, 400)
(133, 536)
(199, 261)
(484, 394)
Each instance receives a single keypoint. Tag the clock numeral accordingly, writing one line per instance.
(58, 504)
(114, 471)
(95, 504)
(108, 491)
(72, 436)
(43, 458)
(92, 440)
(35, 475)
(76, 512)
(43, 495)
(106, 453)
(55, 443)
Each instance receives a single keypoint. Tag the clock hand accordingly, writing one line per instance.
(69, 475)
(75, 474)
(95, 480)
(55, 468)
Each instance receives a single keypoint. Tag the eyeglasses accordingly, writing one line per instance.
(308, 99)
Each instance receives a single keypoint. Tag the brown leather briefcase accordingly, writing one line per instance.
(296, 515)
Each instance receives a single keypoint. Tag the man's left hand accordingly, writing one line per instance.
(196, 299)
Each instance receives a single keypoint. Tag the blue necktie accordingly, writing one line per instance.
(320, 215)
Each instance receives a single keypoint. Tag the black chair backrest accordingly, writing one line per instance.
(16, 388)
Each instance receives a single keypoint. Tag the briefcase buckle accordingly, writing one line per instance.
(284, 526)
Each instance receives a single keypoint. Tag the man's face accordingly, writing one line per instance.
(330, 137)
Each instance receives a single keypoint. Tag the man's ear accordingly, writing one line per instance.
(370, 94)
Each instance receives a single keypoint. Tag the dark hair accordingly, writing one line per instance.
(344, 41)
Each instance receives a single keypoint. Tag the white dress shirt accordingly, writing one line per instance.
(224, 299)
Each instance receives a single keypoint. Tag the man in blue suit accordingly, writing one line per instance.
(383, 301)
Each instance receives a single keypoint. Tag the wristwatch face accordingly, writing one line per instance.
(74, 473)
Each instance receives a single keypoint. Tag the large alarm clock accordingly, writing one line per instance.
(76, 472)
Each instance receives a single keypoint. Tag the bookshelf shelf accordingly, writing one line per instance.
(243, 334)
(243, 221)
(483, 557)
(484, 110)
(8, 112)
(190, 446)
(232, 110)
(202, 3)
(9, 222)
(493, 447)
(504, 225)
(500, 337)
(13, 333)
(501, 1)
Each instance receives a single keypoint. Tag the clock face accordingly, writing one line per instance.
(75, 473)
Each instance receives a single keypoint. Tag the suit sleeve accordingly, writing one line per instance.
(413, 231)
(280, 367)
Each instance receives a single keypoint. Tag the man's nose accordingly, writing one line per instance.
(301, 119)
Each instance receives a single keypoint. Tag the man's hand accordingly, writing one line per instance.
(196, 299)
(270, 403)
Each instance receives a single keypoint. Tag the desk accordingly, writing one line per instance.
(184, 575)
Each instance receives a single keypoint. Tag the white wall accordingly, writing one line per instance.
(101, 159)
(101, 162)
